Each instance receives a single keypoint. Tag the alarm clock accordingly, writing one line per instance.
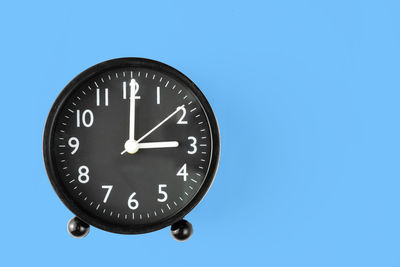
(131, 146)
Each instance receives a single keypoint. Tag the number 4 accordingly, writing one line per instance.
(182, 172)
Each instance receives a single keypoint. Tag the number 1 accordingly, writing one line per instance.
(158, 95)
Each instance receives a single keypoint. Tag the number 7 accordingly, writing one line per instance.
(109, 188)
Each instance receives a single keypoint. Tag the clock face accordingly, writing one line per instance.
(131, 145)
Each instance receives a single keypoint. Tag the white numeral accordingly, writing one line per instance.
(108, 188)
(193, 145)
(98, 99)
(135, 85)
(87, 118)
(74, 143)
(182, 172)
(158, 95)
(161, 192)
(133, 203)
(124, 90)
(83, 174)
(181, 121)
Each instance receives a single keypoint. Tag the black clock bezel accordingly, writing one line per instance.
(49, 131)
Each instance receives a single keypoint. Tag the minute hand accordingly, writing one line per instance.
(161, 123)
(133, 87)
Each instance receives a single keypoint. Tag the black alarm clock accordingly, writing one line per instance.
(131, 146)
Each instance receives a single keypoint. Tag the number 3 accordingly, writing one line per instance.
(193, 145)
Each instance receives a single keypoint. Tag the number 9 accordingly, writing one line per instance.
(74, 143)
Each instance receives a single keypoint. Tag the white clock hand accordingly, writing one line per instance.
(131, 146)
(161, 123)
(133, 88)
(158, 144)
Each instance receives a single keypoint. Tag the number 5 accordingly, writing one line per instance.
(161, 192)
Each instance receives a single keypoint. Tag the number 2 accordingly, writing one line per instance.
(181, 121)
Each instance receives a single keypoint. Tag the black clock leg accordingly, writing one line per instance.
(182, 230)
(78, 228)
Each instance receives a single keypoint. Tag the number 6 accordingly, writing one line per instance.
(134, 201)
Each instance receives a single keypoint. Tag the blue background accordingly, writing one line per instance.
(307, 98)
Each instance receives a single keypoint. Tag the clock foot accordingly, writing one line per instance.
(78, 228)
(182, 230)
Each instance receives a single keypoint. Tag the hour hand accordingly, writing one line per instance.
(136, 146)
(158, 144)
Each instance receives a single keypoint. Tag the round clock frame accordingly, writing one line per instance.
(75, 85)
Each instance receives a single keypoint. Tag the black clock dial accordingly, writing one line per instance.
(131, 145)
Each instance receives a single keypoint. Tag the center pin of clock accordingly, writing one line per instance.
(131, 146)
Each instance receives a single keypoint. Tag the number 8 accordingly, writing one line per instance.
(83, 174)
